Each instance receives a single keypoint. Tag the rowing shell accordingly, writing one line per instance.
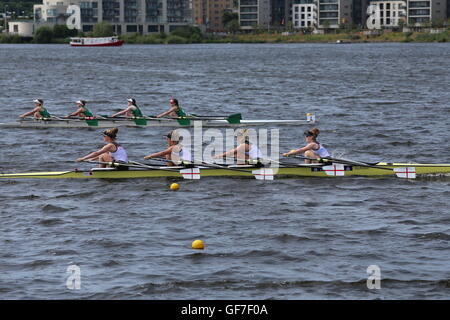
(306, 170)
(147, 123)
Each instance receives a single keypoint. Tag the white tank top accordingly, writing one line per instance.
(254, 152)
(185, 154)
(321, 152)
(120, 154)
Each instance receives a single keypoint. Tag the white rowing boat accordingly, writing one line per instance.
(148, 122)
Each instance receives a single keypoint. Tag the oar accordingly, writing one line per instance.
(260, 174)
(185, 173)
(233, 118)
(402, 172)
(140, 121)
(57, 118)
(188, 173)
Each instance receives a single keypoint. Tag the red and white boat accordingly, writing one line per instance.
(96, 42)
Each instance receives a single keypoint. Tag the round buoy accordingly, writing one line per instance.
(198, 244)
(174, 186)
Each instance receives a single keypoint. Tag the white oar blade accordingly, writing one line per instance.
(406, 172)
(335, 170)
(191, 173)
(263, 174)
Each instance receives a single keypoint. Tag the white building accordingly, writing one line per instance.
(304, 15)
(126, 16)
(385, 14)
(21, 28)
(322, 14)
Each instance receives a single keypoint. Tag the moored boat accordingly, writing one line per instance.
(96, 42)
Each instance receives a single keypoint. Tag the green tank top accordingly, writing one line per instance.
(137, 112)
(180, 112)
(87, 113)
(44, 113)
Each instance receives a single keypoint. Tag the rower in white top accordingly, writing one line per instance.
(111, 153)
(175, 151)
(245, 151)
(313, 149)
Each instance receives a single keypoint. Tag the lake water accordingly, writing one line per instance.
(303, 238)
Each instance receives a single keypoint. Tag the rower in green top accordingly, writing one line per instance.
(39, 111)
(82, 111)
(175, 110)
(131, 111)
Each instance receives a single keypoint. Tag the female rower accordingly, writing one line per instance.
(175, 151)
(175, 110)
(313, 148)
(39, 111)
(82, 111)
(131, 111)
(111, 152)
(244, 151)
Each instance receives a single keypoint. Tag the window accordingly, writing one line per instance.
(132, 28)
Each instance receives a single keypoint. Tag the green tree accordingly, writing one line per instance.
(228, 17)
(103, 29)
(187, 32)
(43, 35)
(232, 26)
(62, 31)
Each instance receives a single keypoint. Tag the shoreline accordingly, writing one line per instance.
(336, 38)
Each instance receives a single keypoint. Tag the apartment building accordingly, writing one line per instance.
(426, 11)
(373, 14)
(207, 14)
(304, 14)
(126, 16)
(322, 13)
(386, 14)
(254, 14)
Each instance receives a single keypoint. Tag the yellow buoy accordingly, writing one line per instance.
(198, 244)
(174, 186)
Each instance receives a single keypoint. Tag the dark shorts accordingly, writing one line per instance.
(119, 167)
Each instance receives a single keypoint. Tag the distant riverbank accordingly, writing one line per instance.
(350, 37)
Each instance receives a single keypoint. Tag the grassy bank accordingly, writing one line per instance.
(333, 37)
(196, 37)
(356, 37)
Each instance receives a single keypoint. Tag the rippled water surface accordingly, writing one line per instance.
(287, 239)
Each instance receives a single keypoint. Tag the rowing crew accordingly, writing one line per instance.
(176, 153)
(131, 111)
